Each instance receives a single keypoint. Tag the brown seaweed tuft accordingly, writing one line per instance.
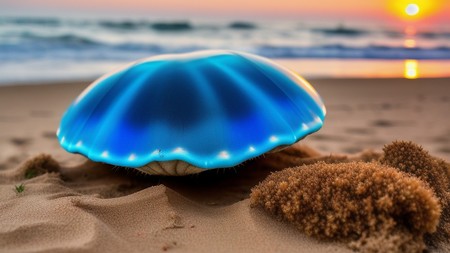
(371, 204)
(39, 165)
(414, 160)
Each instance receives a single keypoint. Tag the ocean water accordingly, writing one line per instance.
(36, 49)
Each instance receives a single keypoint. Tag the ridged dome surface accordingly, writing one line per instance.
(212, 109)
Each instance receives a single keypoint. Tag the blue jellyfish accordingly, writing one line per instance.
(180, 114)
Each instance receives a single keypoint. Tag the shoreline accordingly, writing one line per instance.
(311, 69)
(312, 80)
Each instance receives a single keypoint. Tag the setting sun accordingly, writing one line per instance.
(412, 9)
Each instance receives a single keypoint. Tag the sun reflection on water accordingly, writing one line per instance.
(411, 69)
(411, 66)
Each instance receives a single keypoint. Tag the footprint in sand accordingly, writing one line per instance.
(360, 131)
(383, 123)
(390, 123)
(326, 137)
(445, 149)
(20, 141)
(49, 134)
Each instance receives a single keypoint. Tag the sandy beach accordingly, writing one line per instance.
(74, 205)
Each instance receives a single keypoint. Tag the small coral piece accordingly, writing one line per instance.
(352, 201)
(414, 160)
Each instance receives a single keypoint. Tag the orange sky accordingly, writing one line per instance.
(341, 9)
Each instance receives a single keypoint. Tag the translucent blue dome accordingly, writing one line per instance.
(211, 109)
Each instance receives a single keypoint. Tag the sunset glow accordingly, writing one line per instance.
(346, 9)
(80, 39)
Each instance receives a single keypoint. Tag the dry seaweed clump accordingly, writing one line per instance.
(414, 160)
(39, 165)
(375, 206)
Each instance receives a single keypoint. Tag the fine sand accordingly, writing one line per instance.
(69, 204)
